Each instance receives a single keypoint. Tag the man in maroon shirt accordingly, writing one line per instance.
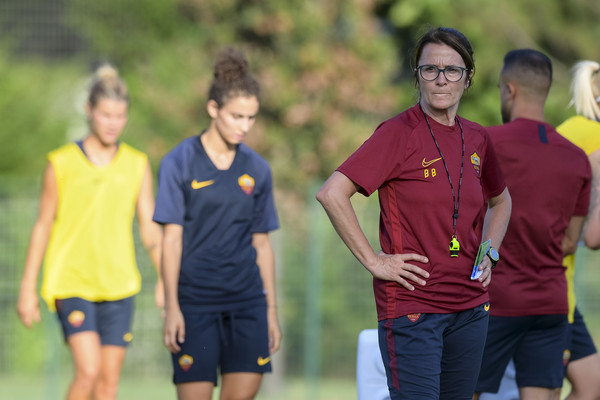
(549, 181)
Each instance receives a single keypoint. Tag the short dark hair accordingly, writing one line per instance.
(450, 37)
(530, 68)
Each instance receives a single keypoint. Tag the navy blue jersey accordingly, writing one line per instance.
(219, 211)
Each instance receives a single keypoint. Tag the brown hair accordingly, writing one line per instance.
(232, 78)
(452, 38)
(107, 84)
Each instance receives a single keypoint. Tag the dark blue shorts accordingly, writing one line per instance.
(537, 345)
(433, 356)
(581, 342)
(231, 341)
(111, 319)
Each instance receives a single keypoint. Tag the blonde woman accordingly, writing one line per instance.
(91, 191)
(427, 163)
(583, 129)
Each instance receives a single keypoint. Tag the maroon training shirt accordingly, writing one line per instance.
(548, 178)
(401, 161)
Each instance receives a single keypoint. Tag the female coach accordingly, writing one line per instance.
(434, 172)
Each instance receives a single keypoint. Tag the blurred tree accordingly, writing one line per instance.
(566, 31)
(325, 69)
(330, 71)
(35, 112)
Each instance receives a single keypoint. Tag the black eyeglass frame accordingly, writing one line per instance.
(442, 70)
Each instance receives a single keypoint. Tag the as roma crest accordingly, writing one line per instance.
(476, 161)
(566, 357)
(246, 182)
(76, 318)
(186, 362)
(413, 317)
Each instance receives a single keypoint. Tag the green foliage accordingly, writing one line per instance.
(124, 30)
(35, 110)
(330, 71)
(325, 70)
(566, 31)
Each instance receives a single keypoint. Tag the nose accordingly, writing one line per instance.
(247, 124)
(441, 78)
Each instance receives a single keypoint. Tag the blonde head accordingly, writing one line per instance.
(106, 83)
(585, 89)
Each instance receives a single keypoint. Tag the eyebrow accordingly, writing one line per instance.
(240, 115)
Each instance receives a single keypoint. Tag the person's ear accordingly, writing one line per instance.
(88, 111)
(469, 79)
(512, 89)
(212, 108)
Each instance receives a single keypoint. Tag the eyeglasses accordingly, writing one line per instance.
(452, 73)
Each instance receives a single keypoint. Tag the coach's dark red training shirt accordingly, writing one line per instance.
(400, 161)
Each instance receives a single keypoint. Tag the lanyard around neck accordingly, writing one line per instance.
(455, 198)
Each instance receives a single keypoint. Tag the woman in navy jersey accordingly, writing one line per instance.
(434, 171)
(215, 200)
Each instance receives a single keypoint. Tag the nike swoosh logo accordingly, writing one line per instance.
(199, 185)
(426, 164)
(263, 361)
(486, 307)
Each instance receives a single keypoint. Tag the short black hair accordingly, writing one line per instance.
(531, 68)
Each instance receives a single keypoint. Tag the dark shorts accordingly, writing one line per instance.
(581, 342)
(433, 356)
(536, 343)
(232, 341)
(111, 319)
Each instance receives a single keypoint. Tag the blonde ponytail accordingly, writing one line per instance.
(585, 88)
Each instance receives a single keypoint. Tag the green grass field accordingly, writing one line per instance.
(39, 388)
(42, 349)
(43, 388)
